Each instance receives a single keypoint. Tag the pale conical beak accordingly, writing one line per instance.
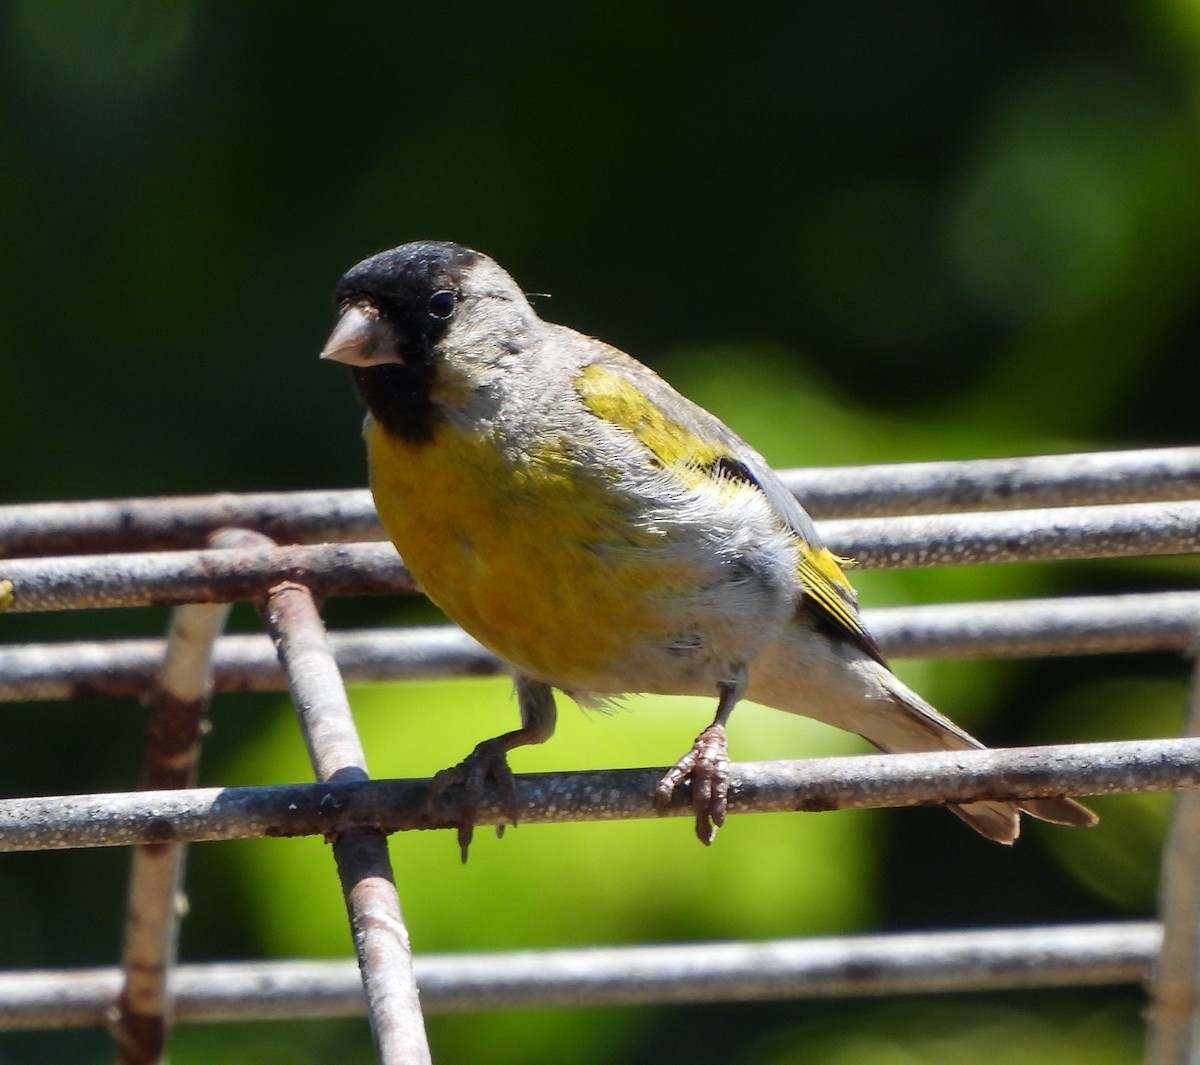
(362, 338)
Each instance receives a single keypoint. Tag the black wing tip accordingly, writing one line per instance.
(832, 629)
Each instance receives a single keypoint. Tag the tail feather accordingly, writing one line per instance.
(838, 684)
(998, 821)
(1059, 810)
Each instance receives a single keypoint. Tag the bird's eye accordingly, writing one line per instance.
(442, 304)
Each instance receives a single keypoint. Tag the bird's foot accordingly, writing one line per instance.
(707, 764)
(489, 759)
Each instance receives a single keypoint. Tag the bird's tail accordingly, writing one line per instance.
(806, 673)
(914, 725)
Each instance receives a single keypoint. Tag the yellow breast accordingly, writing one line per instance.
(539, 558)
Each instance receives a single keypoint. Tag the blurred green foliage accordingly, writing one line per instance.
(858, 232)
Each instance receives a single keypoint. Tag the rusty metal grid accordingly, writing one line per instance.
(281, 550)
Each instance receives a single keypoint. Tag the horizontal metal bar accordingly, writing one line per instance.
(1074, 625)
(74, 670)
(848, 491)
(173, 522)
(169, 578)
(1158, 621)
(1056, 534)
(899, 963)
(173, 577)
(1083, 479)
(122, 818)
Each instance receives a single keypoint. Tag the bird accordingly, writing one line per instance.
(603, 535)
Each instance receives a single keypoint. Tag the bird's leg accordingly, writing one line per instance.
(490, 759)
(707, 763)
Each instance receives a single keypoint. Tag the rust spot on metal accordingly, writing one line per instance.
(160, 830)
(814, 804)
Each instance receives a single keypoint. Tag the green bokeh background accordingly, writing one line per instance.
(859, 232)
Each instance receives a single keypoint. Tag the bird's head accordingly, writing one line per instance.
(404, 306)
(428, 328)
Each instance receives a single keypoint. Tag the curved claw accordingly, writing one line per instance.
(707, 764)
(489, 759)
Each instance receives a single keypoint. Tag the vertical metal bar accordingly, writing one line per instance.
(1174, 1033)
(380, 936)
(177, 701)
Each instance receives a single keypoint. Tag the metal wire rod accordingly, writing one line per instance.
(857, 782)
(835, 966)
(173, 522)
(1075, 625)
(1055, 534)
(1173, 1036)
(999, 484)
(178, 700)
(906, 963)
(170, 578)
(380, 936)
(1157, 621)
(846, 491)
(74, 670)
(173, 577)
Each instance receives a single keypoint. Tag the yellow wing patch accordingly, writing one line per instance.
(821, 574)
(613, 398)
